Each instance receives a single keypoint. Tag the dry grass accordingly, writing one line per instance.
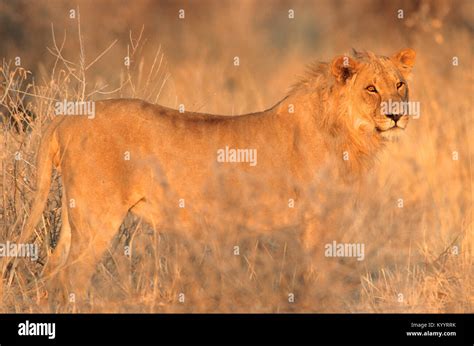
(418, 258)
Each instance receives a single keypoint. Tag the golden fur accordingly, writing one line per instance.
(172, 176)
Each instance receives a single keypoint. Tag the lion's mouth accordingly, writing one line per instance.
(391, 134)
(395, 127)
(391, 125)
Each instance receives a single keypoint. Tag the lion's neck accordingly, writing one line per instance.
(328, 126)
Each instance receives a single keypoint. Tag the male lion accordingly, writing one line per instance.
(176, 167)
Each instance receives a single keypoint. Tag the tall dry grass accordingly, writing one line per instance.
(418, 258)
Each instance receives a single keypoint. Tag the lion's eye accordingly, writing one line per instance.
(400, 84)
(371, 89)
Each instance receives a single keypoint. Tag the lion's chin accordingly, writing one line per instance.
(392, 135)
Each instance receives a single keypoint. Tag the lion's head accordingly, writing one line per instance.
(378, 91)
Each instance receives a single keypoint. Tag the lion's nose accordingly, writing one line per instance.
(394, 117)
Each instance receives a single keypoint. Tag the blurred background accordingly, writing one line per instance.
(423, 251)
(199, 49)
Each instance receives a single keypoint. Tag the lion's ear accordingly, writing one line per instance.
(405, 59)
(344, 67)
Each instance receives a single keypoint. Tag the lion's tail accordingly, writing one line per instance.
(49, 148)
(48, 151)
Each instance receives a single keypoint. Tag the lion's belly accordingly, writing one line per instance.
(193, 194)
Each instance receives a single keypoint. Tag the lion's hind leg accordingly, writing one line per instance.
(52, 272)
(91, 235)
